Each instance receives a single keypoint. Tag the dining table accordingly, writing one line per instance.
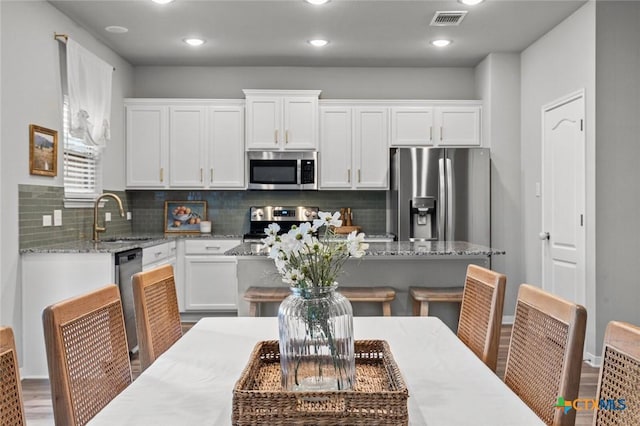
(192, 382)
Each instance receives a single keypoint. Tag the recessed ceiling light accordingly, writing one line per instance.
(116, 29)
(162, 1)
(194, 41)
(470, 2)
(317, 2)
(318, 42)
(441, 43)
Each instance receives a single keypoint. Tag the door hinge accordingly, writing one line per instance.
(581, 124)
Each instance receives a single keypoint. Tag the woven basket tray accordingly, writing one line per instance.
(379, 396)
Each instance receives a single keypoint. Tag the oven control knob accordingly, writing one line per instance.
(309, 214)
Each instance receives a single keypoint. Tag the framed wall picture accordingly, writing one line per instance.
(43, 151)
(184, 217)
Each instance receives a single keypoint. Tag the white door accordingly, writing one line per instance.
(371, 148)
(211, 283)
(147, 146)
(335, 147)
(300, 123)
(226, 147)
(264, 118)
(563, 198)
(187, 132)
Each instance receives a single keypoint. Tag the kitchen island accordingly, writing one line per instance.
(398, 264)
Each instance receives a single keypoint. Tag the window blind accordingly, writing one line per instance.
(82, 167)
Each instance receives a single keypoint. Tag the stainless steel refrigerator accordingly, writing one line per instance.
(441, 194)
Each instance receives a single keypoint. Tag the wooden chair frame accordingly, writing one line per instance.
(11, 403)
(87, 354)
(619, 375)
(157, 314)
(481, 313)
(545, 353)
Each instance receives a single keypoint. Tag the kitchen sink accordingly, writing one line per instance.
(123, 240)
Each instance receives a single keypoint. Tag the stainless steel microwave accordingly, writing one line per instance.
(274, 170)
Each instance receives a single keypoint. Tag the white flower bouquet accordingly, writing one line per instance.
(304, 260)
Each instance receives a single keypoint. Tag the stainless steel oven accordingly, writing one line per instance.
(274, 170)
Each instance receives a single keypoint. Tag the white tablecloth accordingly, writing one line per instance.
(192, 383)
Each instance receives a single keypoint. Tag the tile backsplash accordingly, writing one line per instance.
(228, 210)
(35, 201)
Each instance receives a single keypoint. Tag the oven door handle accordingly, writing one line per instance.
(299, 171)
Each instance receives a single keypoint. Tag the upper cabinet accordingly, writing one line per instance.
(354, 143)
(147, 161)
(185, 144)
(454, 123)
(281, 120)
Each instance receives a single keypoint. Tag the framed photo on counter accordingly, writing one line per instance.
(184, 217)
(43, 151)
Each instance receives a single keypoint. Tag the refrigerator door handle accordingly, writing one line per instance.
(442, 196)
(450, 218)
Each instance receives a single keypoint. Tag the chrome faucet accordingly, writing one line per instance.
(97, 229)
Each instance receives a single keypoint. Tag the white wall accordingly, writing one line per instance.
(335, 83)
(559, 63)
(617, 163)
(498, 85)
(31, 94)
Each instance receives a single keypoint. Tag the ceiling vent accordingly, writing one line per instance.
(448, 18)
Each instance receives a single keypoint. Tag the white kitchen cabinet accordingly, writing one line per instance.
(147, 136)
(198, 143)
(354, 150)
(159, 255)
(438, 124)
(49, 278)
(281, 120)
(187, 142)
(458, 126)
(210, 282)
(225, 146)
(411, 126)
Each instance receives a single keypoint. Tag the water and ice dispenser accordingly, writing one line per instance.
(423, 223)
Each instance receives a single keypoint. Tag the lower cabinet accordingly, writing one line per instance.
(210, 282)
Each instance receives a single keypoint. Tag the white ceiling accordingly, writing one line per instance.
(379, 33)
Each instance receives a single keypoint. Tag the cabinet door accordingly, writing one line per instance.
(458, 126)
(226, 147)
(371, 148)
(186, 145)
(335, 157)
(264, 118)
(300, 123)
(411, 126)
(210, 283)
(147, 146)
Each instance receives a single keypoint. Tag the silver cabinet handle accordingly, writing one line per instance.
(211, 175)
(348, 175)
(161, 174)
(441, 132)
(430, 133)
(157, 254)
(276, 137)
(358, 175)
(212, 247)
(286, 136)
(201, 175)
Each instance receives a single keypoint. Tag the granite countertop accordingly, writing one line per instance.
(115, 244)
(395, 248)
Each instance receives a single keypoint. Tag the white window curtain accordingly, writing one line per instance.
(89, 86)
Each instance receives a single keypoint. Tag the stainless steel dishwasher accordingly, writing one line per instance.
(128, 263)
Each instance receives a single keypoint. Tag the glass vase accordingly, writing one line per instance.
(316, 340)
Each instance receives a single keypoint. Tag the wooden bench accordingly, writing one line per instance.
(384, 295)
(421, 297)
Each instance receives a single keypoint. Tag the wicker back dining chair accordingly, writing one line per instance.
(619, 376)
(11, 405)
(545, 353)
(87, 354)
(157, 314)
(481, 313)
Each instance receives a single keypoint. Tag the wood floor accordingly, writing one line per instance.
(37, 395)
